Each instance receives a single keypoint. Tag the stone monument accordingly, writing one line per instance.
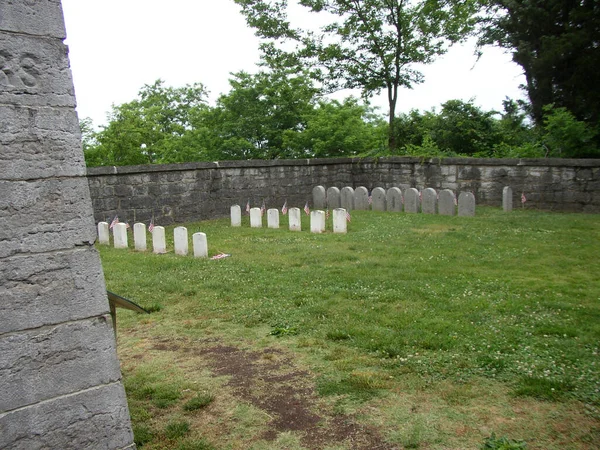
(60, 380)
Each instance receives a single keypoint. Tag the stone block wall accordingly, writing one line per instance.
(60, 380)
(195, 191)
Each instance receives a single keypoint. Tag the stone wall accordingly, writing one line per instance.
(60, 380)
(185, 192)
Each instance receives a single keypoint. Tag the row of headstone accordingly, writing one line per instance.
(428, 201)
(317, 219)
(159, 245)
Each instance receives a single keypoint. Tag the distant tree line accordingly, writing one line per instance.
(373, 45)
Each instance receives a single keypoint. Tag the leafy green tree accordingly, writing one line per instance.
(368, 44)
(566, 137)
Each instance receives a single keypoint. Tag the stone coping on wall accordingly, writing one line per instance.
(146, 168)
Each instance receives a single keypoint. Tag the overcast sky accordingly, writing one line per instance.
(117, 46)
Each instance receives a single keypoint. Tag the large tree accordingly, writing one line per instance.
(366, 44)
(557, 43)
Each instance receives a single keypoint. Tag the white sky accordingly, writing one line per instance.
(117, 46)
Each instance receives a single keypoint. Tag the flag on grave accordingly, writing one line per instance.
(523, 198)
(284, 208)
(114, 222)
(263, 208)
(151, 226)
(307, 209)
(248, 207)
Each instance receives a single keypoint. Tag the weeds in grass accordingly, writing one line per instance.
(177, 429)
(502, 443)
(198, 402)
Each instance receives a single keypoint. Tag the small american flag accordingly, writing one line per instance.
(248, 207)
(114, 222)
(455, 201)
(370, 200)
(127, 227)
(307, 209)
(151, 226)
(420, 196)
(348, 217)
(263, 208)
(221, 256)
(523, 198)
(284, 208)
(327, 213)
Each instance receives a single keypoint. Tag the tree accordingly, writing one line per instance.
(368, 44)
(557, 43)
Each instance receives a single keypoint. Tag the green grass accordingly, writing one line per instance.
(402, 302)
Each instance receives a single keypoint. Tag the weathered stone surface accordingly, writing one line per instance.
(411, 200)
(394, 200)
(295, 219)
(37, 17)
(34, 72)
(139, 237)
(429, 201)
(159, 244)
(507, 199)
(447, 203)
(236, 216)
(180, 241)
(49, 288)
(95, 419)
(255, 218)
(334, 199)
(103, 233)
(48, 362)
(120, 235)
(317, 221)
(200, 244)
(319, 197)
(466, 204)
(347, 196)
(273, 218)
(44, 215)
(361, 198)
(378, 196)
(340, 222)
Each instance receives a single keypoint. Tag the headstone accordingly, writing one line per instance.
(379, 203)
(393, 199)
(411, 200)
(255, 218)
(159, 244)
(317, 221)
(334, 199)
(120, 235)
(347, 196)
(180, 241)
(319, 197)
(139, 237)
(429, 201)
(236, 216)
(340, 221)
(507, 199)
(60, 382)
(447, 203)
(466, 204)
(103, 233)
(361, 198)
(295, 219)
(200, 245)
(273, 218)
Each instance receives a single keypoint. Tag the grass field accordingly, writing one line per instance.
(411, 331)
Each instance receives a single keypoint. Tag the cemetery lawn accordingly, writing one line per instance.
(411, 331)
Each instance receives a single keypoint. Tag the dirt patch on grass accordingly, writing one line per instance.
(271, 381)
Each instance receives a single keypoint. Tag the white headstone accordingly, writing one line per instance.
(295, 219)
(200, 245)
(411, 200)
(447, 203)
(340, 222)
(236, 216)
(180, 239)
(361, 198)
(393, 199)
(120, 235)
(466, 204)
(334, 199)
(319, 197)
(378, 196)
(159, 244)
(317, 221)
(139, 236)
(103, 233)
(255, 218)
(347, 196)
(507, 199)
(273, 218)
(429, 201)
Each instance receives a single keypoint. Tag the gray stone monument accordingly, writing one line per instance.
(103, 233)
(411, 200)
(361, 198)
(393, 199)
(507, 199)
(466, 204)
(60, 381)
(334, 199)
(340, 223)
(200, 245)
(317, 221)
(159, 243)
(236, 216)
(273, 218)
(120, 235)
(378, 196)
(255, 218)
(447, 203)
(319, 197)
(295, 219)
(139, 237)
(429, 201)
(347, 196)
(180, 241)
